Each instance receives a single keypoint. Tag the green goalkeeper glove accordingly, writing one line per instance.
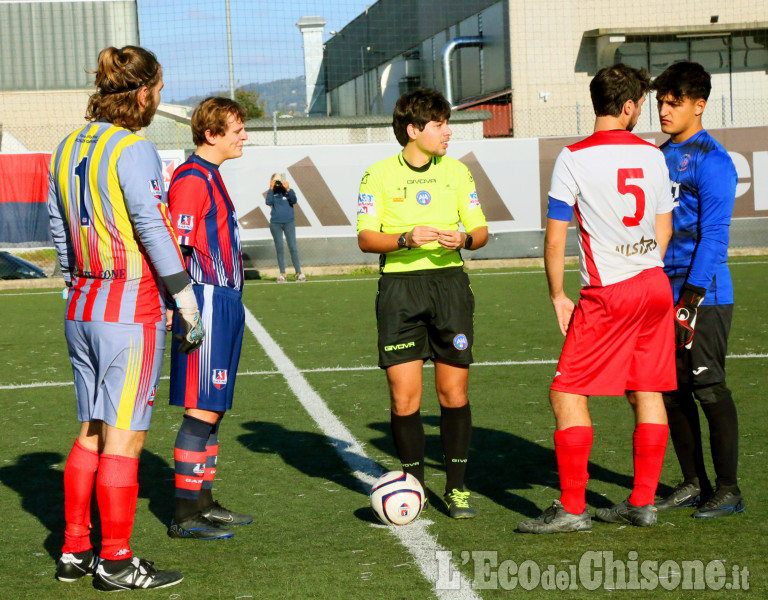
(189, 316)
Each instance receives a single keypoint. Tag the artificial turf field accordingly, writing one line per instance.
(314, 535)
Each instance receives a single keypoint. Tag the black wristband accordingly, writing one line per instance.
(176, 282)
(468, 242)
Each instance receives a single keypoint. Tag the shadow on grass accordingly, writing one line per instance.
(501, 463)
(157, 484)
(313, 454)
(41, 488)
(39, 483)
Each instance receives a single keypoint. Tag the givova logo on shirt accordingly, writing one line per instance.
(219, 378)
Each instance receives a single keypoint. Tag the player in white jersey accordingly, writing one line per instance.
(619, 337)
(617, 232)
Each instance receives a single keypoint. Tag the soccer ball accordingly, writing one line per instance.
(397, 498)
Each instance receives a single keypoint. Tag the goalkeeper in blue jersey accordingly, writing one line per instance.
(703, 180)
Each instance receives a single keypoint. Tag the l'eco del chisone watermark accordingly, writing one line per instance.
(594, 570)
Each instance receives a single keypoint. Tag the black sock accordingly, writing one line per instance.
(685, 431)
(408, 435)
(114, 566)
(184, 509)
(455, 434)
(718, 407)
(205, 500)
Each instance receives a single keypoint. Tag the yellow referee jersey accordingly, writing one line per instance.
(395, 197)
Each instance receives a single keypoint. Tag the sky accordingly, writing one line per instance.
(190, 39)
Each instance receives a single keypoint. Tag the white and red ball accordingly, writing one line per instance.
(397, 498)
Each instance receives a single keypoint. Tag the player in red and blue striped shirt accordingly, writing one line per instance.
(206, 225)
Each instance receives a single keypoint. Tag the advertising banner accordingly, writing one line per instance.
(512, 177)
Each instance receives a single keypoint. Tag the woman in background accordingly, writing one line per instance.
(281, 199)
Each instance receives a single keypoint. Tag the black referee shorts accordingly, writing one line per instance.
(704, 363)
(425, 314)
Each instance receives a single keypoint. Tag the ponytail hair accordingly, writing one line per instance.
(120, 74)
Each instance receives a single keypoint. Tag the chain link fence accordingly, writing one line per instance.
(275, 58)
(578, 118)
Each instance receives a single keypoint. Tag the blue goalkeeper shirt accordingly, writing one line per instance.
(703, 182)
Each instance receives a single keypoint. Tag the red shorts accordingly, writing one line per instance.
(621, 337)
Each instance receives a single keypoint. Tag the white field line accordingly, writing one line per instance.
(418, 541)
(501, 363)
(375, 278)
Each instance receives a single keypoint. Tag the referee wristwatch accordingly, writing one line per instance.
(468, 242)
(401, 242)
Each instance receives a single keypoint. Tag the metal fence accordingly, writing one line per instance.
(261, 50)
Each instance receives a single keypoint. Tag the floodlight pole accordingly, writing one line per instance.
(229, 52)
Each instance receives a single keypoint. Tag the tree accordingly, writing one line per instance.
(254, 106)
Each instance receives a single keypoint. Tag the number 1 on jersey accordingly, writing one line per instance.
(636, 191)
(81, 172)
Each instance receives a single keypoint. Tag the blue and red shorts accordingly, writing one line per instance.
(205, 379)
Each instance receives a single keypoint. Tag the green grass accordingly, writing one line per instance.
(313, 536)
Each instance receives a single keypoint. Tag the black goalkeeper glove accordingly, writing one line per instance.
(691, 297)
(189, 316)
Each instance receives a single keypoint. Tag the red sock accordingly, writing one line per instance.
(79, 475)
(572, 446)
(117, 490)
(649, 442)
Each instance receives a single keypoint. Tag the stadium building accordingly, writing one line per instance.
(530, 63)
(46, 49)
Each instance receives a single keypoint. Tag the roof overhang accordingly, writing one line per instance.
(609, 39)
(482, 99)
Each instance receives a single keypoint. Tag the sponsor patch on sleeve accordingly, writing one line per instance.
(366, 204)
(473, 201)
(155, 189)
(185, 223)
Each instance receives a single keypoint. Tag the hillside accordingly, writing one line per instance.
(284, 95)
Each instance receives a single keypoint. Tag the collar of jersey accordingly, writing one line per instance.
(417, 169)
(205, 163)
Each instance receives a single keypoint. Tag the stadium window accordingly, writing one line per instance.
(750, 52)
(666, 52)
(634, 54)
(711, 53)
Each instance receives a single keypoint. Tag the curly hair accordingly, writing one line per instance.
(120, 74)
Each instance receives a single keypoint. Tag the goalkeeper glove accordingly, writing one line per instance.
(685, 314)
(191, 323)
